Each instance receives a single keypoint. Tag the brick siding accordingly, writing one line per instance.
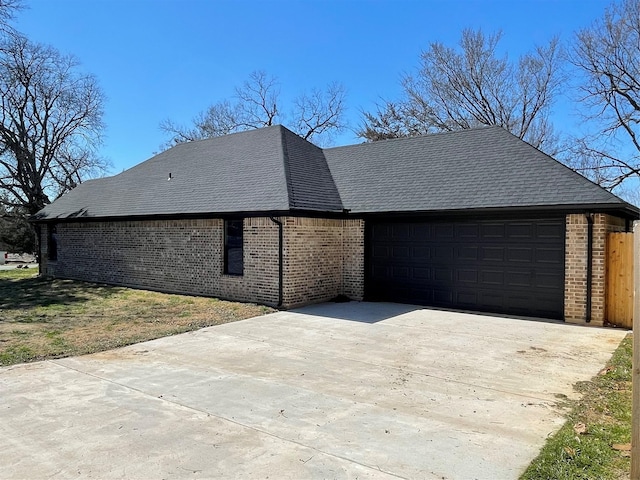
(186, 256)
(353, 259)
(181, 256)
(322, 259)
(575, 296)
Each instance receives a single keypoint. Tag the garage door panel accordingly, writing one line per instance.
(420, 252)
(420, 230)
(442, 297)
(466, 297)
(466, 276)
(549, 255)
(550, 231)
(443, 275)
(400, 272)
(489, 300)
(381, 251)
(381, 273)
(515, 279)
(422, 273)
(468, 231)
(519, 301)
(467, 252)
(443, 232)
(443, 252)
(492, 278)
(400, 231)
(382, 231)
(520, 254)
(401, 252)
(502, 266)
(492, 254)
(492, 231)
(545, 305)
(519, 230)
(549, 281)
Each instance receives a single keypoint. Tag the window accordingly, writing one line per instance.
(233, 261)
(52, 241)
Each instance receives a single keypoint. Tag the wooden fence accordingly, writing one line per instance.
(619, 287)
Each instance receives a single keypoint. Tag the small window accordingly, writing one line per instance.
(233, 261)
(52, 241)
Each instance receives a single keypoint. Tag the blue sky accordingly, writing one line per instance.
(170, 59)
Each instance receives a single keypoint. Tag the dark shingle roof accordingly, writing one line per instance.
(311, 185)
(479, 168)
(264, 170)
(274, 170)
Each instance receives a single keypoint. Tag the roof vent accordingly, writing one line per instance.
(169, 176)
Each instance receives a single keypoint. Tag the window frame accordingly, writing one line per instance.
(233, 242)
(52, 242)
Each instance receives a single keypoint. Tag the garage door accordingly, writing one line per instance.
(504, 266)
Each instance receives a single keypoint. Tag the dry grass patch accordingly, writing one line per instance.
(57, 318)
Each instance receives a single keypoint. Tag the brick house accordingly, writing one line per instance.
(474, 220)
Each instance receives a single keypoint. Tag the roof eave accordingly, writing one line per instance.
(623, 210)
(190, 216)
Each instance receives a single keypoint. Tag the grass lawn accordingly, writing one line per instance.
(594, 443)
(57, 318)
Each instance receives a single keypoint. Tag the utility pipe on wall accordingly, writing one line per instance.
(589, 264)
(280, 259)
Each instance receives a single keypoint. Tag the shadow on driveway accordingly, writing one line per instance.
(365, 312)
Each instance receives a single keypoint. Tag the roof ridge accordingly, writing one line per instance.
(424, 135)
(285, 161)
(226, 135)
(578, 176)
(307, 173)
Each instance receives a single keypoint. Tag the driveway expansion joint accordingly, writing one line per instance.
(164, 399)
(389, 402)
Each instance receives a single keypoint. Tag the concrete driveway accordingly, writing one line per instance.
(352, 390)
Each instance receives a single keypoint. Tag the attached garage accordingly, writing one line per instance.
(474, 220)
(511, 266)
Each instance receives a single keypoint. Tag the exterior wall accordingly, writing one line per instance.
(322, 257)
(43, 249)
(575, 277)
(182, 256)
(353, 259)
(313, 260)
(575, 297)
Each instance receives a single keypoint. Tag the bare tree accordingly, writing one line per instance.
(394, 120)
(316, 115)
(320, 113)
(258, 101)
(50, 124)
(459, 89)
(608, 54)
(8, 10)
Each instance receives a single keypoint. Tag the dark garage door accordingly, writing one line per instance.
(505, 266)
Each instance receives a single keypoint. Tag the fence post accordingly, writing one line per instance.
(635, 422)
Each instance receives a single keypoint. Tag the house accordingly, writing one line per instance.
(475, 220)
